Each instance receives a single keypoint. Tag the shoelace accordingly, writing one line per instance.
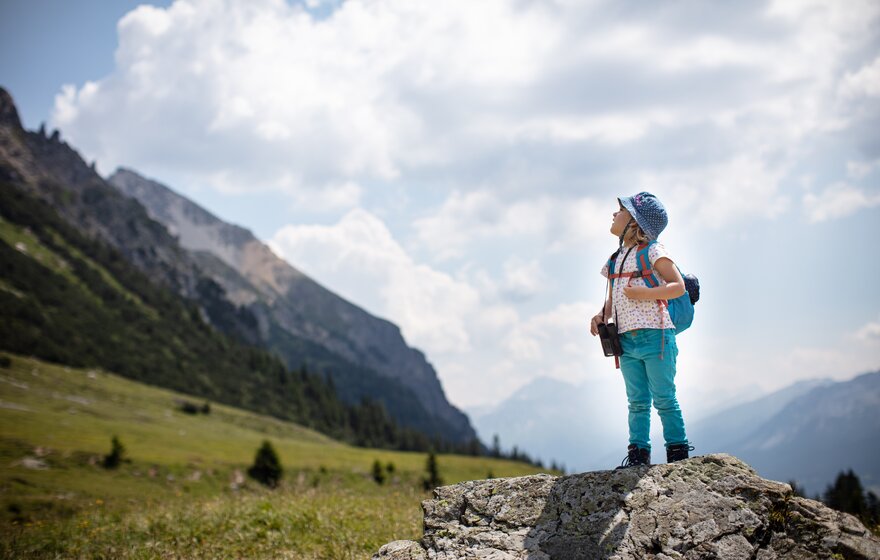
(686, 447)
(628, 460)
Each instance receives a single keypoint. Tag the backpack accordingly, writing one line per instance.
(681, 309)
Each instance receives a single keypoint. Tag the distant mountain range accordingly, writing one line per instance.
(235, 283)
(818, 433)
(807, 432)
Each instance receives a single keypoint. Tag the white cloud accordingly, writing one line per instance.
(861, 169)
(865, 82)
(359, 259)
(468, 218)
(716, 196)
(870, 332)
(522, 280)
(558, 338)
(837, 201)
(252, 89)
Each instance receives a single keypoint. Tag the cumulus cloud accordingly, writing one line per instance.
(864, 82)
(468, 218)
(359, 258)
(716, 196)
(861, 169)
(837, 201)
(264, 95)
(522, 280)
(870, 332)
(560, 337)
(257, 88)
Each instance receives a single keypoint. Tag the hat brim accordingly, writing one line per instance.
(627, 203)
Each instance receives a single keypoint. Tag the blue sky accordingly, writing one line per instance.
(454, 166)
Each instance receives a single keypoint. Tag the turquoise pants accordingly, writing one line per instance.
(651, 377)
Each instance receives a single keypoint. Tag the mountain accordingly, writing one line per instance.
(573, 424)
(364, 354)
(828, 429)
(89, 278)
(719, 432)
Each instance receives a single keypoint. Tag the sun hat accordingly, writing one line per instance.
(647, 210)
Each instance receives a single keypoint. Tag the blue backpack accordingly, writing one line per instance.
(681, 309)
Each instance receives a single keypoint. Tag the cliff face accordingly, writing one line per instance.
(714, 506)
(49, 168)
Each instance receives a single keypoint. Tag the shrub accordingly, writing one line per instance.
(378, 473)
(267, 467)
(116, 456)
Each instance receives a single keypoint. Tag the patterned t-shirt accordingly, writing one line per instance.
(637, 313)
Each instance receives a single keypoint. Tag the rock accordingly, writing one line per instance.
(8, 112)
(401, 550)
(33, 463)
(713, 506)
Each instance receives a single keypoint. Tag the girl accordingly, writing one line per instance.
(647, 334)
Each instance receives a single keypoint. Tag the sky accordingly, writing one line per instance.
(454, 166)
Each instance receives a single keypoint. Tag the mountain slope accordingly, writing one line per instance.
(288, 303)
(820, 433)
(720, 431)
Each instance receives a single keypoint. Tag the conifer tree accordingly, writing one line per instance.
(117, 454)
(433, 479)
(267, 466)
(846, 494)
(378, 472)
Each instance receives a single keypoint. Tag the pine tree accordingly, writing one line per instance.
(378, 472)
(846, 494)
(116, 456)
(267, 466)
(433, 479)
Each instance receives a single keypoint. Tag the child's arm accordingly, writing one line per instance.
(674, 283)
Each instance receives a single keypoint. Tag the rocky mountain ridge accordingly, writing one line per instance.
(713, 506)
(283, 298)
(49, 168)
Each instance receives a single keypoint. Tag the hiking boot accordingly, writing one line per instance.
(636, 457)
(678, 452)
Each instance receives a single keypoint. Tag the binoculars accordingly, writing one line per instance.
(610, 339)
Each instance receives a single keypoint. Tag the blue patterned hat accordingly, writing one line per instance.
(647, 210)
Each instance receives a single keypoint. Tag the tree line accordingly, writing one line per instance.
(847, 494)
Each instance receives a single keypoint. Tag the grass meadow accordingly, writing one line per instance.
(183, 491)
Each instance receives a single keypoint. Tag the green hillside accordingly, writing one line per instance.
(175, 496)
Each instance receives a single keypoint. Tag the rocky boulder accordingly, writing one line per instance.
(713, 506)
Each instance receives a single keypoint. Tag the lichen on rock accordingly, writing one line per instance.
(713, 506)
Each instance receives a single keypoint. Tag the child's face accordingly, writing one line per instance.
(621, 218)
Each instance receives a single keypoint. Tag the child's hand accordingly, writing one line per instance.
(637, 292)
(594, 324)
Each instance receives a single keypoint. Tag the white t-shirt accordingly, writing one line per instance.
(637, 313)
